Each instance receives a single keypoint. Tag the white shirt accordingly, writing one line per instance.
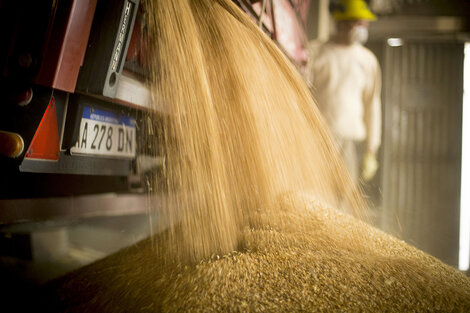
(346, 82)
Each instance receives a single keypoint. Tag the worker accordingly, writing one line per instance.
(346, 81)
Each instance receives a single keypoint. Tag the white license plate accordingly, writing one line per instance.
(105, 133)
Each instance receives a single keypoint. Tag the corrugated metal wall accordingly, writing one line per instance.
(423, 88)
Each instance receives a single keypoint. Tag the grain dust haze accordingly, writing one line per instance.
(265, 208)
(242, 127)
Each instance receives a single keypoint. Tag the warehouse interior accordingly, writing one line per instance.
(53, 222)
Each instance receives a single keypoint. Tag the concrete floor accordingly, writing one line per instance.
(44, 251)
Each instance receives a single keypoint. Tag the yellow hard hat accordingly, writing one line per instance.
(352, 10)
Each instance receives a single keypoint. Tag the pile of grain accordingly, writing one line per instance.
(336, 264)
(251, 175)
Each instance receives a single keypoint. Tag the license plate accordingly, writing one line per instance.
(105, 133)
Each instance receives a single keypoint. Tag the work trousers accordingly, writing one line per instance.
(351, 152)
